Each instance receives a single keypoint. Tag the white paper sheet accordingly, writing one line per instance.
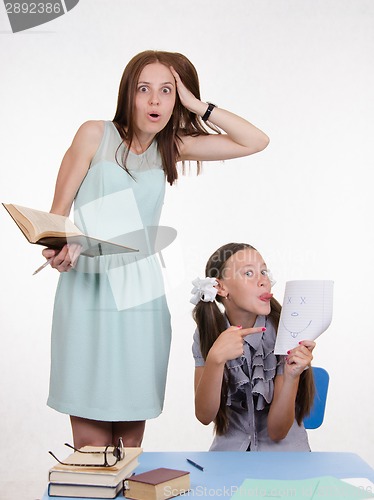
(306, 312)
(363, 483)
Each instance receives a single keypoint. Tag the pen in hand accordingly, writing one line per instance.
(46, 263)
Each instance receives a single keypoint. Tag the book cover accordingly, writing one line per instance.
(83, 491)
(157, 484)
(99, 476)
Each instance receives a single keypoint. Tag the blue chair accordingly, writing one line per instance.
(317, 413)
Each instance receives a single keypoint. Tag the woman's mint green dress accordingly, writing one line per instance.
(111, 325)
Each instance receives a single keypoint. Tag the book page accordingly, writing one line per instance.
(306, 312)
(47, 222)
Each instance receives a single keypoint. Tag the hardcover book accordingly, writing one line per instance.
(157, 484)
(97, 476)
(83, 491)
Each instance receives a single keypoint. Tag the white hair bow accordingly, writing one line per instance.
(203, 290)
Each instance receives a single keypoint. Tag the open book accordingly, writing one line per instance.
(54, 231)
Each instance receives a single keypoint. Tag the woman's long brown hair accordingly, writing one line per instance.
(182, 121)
(211, 322)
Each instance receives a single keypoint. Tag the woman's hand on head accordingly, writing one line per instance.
(65, 259)
(299, 358)
(186, 97)
(229, 344)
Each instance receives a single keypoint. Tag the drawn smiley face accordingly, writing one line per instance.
(296, 315)
(306, 312)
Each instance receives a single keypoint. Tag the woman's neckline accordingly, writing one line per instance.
(138, 155)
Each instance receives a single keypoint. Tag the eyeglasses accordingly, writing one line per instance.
(111, 455)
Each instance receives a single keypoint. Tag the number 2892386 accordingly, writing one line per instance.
(33, 8)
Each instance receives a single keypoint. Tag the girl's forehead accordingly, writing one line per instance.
(245, 257)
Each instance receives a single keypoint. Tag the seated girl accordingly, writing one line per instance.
(256, 400)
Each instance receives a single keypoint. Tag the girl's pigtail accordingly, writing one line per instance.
(305, 395)
(211, 323)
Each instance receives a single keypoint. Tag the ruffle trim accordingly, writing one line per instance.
(258, 360)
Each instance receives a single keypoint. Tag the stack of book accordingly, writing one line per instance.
(91, 482)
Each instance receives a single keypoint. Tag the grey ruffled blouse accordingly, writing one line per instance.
(250, 391)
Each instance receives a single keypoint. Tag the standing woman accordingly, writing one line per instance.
(111, 325)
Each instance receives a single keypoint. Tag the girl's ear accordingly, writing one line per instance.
(221, 289)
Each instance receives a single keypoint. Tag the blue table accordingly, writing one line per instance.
(223, 471)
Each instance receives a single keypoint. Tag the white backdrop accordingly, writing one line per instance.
(302, 70)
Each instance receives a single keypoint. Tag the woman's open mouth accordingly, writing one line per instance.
(154, 116)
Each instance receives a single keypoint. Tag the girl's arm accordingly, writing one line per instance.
(208, 382)
(282, 409)
(208, 378)
(241, 138)
(72, 171)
